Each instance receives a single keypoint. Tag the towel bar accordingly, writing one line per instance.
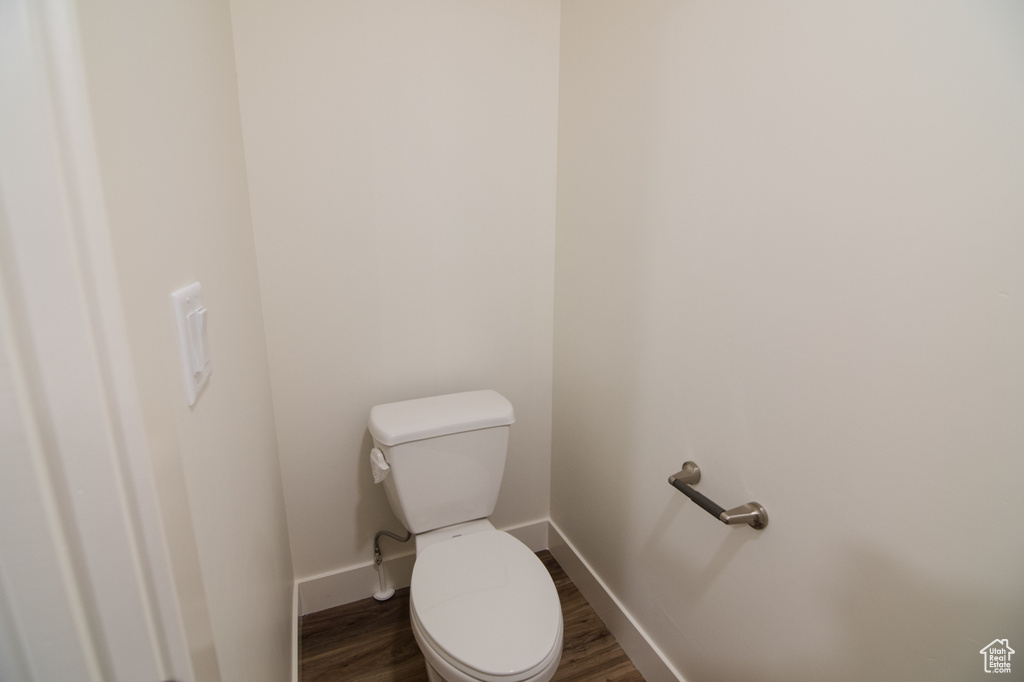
(750, 513)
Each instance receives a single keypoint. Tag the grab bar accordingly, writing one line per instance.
(750, 513)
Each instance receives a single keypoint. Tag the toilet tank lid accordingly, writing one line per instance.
(409, 420)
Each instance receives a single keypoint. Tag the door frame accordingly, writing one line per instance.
(66, 349)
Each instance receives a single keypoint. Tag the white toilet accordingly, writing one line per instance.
(482, 605)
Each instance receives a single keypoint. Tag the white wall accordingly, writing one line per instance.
(789, 248)
(401, 161)
(162, 86)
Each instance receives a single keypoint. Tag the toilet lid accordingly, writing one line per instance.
(486, 601)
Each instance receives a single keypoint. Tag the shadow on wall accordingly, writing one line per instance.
(695, 580)
(903, 625)
(878, 619)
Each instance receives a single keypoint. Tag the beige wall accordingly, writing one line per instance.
(401, 160)
(789, 248)
(164, 102)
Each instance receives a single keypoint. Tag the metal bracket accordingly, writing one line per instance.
(689, 475)
(751, 513)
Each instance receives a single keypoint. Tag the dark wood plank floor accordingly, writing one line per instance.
(371, 641)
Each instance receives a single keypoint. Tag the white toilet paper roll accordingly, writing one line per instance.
(379, 465)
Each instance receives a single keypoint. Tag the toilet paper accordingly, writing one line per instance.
(379, 465)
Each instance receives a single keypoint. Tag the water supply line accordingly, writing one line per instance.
(386, 591)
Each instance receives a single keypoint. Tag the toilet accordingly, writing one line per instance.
(482, 606)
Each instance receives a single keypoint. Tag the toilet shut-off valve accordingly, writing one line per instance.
(386, 591)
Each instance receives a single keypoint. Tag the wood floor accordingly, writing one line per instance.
(371, 641)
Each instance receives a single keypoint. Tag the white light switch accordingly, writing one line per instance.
(195, 360)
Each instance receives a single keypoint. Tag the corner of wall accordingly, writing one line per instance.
(644, 654)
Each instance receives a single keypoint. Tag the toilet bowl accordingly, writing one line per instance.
(484, 609)
(482, 606)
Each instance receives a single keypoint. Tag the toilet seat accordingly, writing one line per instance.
(486, 606)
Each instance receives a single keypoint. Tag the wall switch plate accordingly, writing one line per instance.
(195, 359)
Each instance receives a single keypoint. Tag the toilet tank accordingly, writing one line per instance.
(447, 456)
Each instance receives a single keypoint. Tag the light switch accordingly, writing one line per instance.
(195, 359)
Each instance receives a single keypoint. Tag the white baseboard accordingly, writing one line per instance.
(347, 585)
(647, 658)
(361, 581)
(295, 632)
